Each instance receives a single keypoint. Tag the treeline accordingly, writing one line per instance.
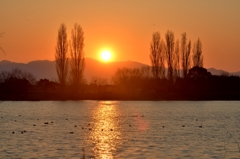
(126, 84)
(198, 81)
(18, 81)
(177, 56)
(176, 73)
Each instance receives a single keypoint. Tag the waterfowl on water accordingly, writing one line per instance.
(71, 133)
(183, 125)
(46, 123)
(162, 126)
(200, 126)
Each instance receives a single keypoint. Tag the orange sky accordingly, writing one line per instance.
(123, 26)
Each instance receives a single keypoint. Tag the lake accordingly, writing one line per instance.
(120, 129)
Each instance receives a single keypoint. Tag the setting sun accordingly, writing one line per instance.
(106, 55)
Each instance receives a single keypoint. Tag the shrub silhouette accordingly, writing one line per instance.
(15, 85)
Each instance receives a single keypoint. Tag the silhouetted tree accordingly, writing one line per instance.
(146, 73)
(16, 81)
(169, 36)
(198, 73)
(225, 83)
(98, 81)
(162, 59)
(45, 85)
(121, 76)
(197, 56)
(198, 79)
(98, 84)
(134, 80)
(77, 61)
(15, 85)
(185, 52)
(189, 46)
(176, 60)
(156, 55)
(17, 73)
(61, 55)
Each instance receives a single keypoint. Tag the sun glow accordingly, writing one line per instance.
(106, 55)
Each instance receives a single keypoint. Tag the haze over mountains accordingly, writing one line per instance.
(46, 69)
(93, 68)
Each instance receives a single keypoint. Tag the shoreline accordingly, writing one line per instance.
(54, 96)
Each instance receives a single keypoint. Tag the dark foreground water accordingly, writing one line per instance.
(120, 129)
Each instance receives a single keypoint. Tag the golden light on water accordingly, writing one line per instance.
(105, 135)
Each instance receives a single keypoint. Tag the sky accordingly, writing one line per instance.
(29, 28)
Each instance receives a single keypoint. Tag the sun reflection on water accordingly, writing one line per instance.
(105, 135)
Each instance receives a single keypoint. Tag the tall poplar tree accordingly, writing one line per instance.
(197, 56)
(77, 61)
(169, 36)
(61, 55)
(185, 50)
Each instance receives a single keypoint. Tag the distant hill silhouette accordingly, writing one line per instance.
(40, 69)
(94, 68)
(236, 73)
(214, 71)
(46, 69)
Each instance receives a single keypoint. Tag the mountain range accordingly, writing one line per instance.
(46, 69)
(93, 68)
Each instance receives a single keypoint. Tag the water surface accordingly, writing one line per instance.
(120, 129)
